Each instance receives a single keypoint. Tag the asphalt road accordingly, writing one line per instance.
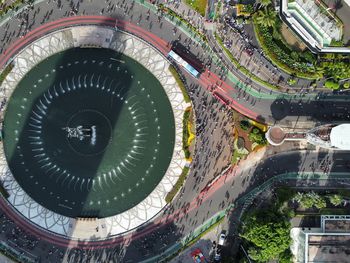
(214, 139)
(296, 107)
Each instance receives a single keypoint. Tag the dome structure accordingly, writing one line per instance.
(275, 135)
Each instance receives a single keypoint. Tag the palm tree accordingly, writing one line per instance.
(266, 17)
(265, 3)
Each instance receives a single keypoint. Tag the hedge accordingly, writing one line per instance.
(331, 85)
(5, 72)
(185, 133)
(169, 197)
(180, 83)
(278, 56)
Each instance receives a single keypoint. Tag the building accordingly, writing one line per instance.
(330, 136)
(314, 24)
(328, 243)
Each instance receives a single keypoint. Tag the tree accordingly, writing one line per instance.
(265, 3)
(331, 85)
(337, 69)
(303, 201)
(335, 199)
(311, 199)
(266, 17)
(270, 239)
(245, 125)
(257, 136)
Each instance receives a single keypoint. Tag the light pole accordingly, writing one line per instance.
(245, 253)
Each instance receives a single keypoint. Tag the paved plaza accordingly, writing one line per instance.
(153, 230)
(135, 48)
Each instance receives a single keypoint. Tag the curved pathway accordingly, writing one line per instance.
(190, 209)
(303, 109)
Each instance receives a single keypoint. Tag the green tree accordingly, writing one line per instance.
(303, 201)
(294, 55)
(335, 199)
(265, 3)
(266, 17)
(257, 136)
(245, 125)
(311, 199)
(331, 85)
(286, 257)
(270, 239)
(337, 69)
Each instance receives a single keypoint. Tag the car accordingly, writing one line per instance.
(197, 256)
(222, 238)
(217, 257)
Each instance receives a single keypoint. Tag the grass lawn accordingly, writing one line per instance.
(169, 197)
(180, 83)
(199, 5)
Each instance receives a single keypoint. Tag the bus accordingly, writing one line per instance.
(178, 59)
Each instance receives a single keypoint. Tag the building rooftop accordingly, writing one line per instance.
(328, 248)
(314, 23)
(340, 136)
(329, 243)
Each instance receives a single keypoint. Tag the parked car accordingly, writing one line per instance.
(217, 255)
(222, 238)
(197, 256)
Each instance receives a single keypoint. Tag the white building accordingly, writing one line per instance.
(329, 243)
(330, 136)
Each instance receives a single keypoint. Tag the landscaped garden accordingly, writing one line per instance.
(249, 136)
(336, 69)
(285, 51)
(199, 5)
(268, 30)
(188, 137)
(266, 233)
(188, 132)
(180, 83)
(266, 229)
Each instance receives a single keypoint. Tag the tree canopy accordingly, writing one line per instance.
(310, 199)
(265, 3)
(266, 17)
(269, 235)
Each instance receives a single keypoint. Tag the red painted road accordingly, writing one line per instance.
(207, 79)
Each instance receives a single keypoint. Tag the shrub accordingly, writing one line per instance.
(5, 72)
(257, 136)
(329, 84)
(291, 81)
(311, 199)
(346, 85)
(335, 199)
(180, 83)
(186, 133)
(169, 197)
(245, 125)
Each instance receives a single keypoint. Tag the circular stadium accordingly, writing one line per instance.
(91, 133)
